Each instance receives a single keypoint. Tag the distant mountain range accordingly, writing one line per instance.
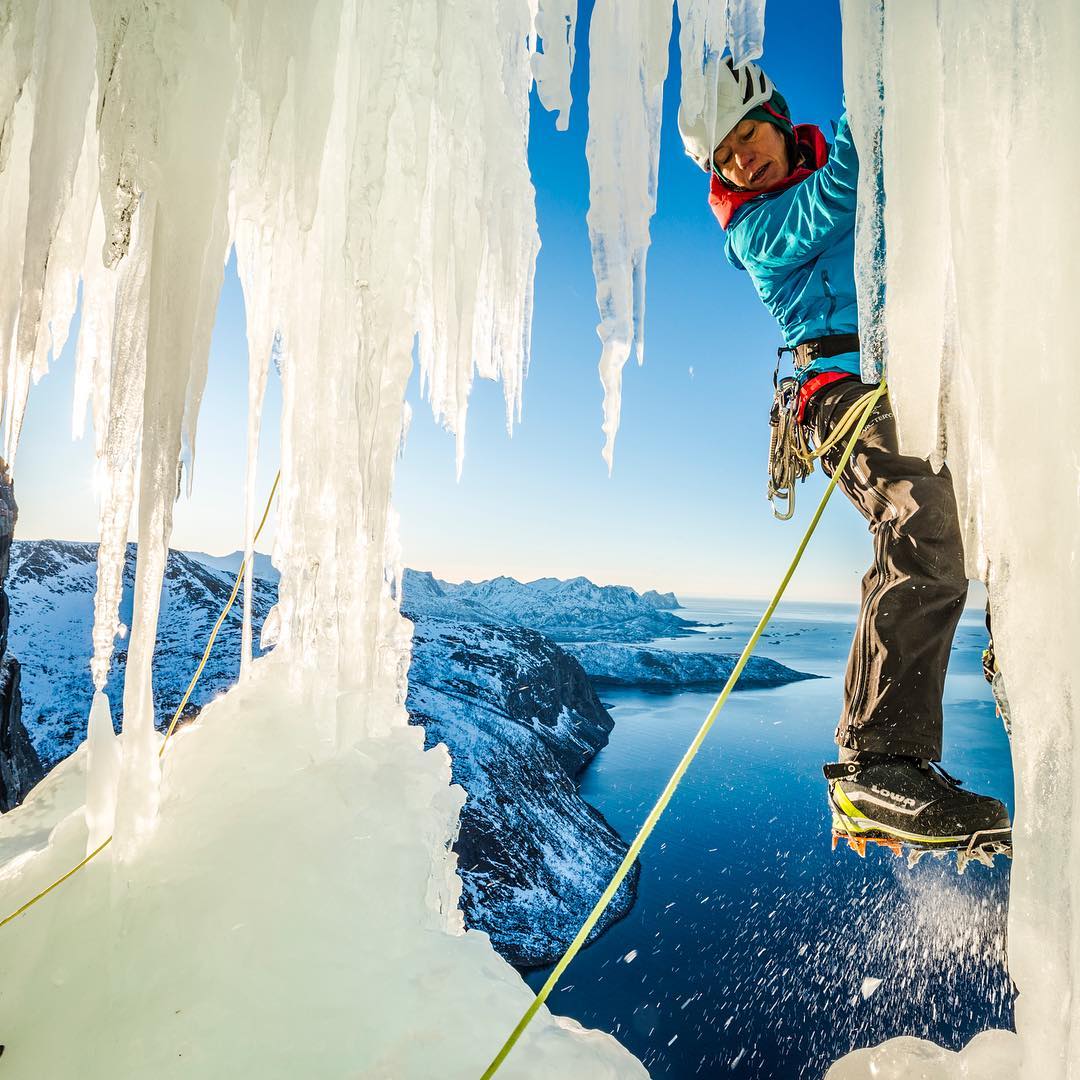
(573, 610)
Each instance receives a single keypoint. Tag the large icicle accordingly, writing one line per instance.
(628, 61)
(982, 232)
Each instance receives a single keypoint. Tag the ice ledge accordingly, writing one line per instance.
(285, 875)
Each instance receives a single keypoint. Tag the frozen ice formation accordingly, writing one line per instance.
(981, 233)
(993, 1055)
(280, 897)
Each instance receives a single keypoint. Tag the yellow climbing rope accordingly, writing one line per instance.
(868, 402)
(175, 718)
(217, 626)
(59, 881)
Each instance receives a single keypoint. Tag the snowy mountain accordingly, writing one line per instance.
(520, 718)
(264, 568)
(661, 601)
(571, 610)
(667, 670)
(51, 587)
(519, 715)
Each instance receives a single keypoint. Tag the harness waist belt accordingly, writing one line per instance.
(822, 348)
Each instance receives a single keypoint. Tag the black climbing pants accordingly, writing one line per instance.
(912, 595)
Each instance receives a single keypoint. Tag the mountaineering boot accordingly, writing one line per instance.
(904, 802)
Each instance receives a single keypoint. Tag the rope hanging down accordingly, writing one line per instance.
(869, 401)
(175, 717)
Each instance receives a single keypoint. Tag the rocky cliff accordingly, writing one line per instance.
(522, 722)
(20, 766)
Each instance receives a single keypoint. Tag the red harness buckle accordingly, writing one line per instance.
(816, 383)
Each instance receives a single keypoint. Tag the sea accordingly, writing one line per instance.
(754, 950)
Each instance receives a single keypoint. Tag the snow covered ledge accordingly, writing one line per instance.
(983, 230)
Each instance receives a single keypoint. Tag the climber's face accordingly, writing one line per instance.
(753, 155)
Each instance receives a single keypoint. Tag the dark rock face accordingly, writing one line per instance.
(20, 767)
(521, 721)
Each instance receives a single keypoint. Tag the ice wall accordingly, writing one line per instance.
(982, 231)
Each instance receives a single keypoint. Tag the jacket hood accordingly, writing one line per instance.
(813, 153)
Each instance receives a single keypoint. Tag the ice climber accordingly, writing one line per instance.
(786, 201)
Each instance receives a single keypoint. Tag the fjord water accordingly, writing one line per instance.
(753, 950)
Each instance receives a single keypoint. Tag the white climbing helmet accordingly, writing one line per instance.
(738, 90)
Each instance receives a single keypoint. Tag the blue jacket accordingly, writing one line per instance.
(798, 246)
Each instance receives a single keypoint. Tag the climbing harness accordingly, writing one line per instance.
(175, 718)
(791, 458)
(858, 420)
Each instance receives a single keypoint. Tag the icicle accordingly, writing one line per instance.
(281, 139)
(628, 46)
(102, 772)
(62, 94)
(174, 81)
(474, 305)
(14, 196)
(863, 44)
(745, 29)
(702, 39)
(18, 22)
(628, 59)
(118, 403)
(555, 20)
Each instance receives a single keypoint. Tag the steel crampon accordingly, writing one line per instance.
(973, 851)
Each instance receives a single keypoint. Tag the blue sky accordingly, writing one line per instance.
(685, 508)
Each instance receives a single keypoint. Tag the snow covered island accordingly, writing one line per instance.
(665, 670)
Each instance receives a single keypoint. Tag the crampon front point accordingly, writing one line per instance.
(978, 848)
